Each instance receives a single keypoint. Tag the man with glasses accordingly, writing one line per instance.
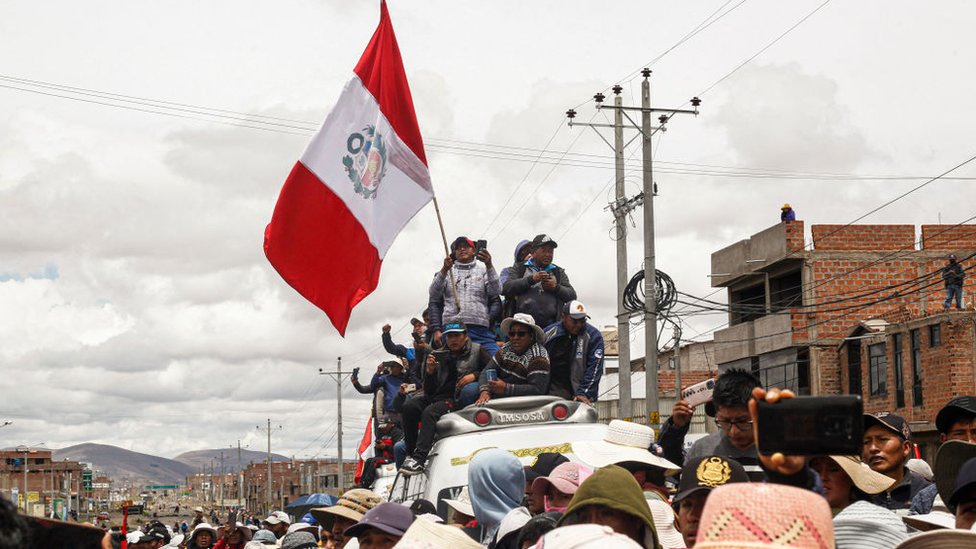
(734, 439)
(521, 366)
(575, 355)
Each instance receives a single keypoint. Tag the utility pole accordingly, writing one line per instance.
(623, 206)
(267, 484)
(240, 477)
(337, 376)
(222, 481)
(626, 408)
(677, 362)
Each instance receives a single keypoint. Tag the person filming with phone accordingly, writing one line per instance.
(470, 270)
(538, 287)
(388, 378)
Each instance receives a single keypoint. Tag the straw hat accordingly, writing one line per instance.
(933, 520)
(941, 539)
(588, 536)
(244, 530)
(527, 320)
(664, 523)
(462, 504)
(746, 515)
(948, 460)
(353, 505)
(864, 524)
(864, 478)
(623, 441)
(430, 534)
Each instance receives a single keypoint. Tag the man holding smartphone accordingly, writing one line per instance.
(476, 282)
(538, 287)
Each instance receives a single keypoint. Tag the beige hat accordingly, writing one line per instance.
(424, 533)
(864, 478)
(664, 523)
(353, 505)
(624, 441)
(244, 530)
(941, 539)
(527, 320)
(461, 504)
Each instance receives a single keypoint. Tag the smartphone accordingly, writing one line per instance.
(699, 393)
(410, 388)
(480, 245)
(491, 374)
(832, 425)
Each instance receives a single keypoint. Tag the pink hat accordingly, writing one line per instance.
(747, 515)
(565, 478)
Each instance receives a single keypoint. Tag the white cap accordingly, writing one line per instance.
(277, 517)
(576, 309)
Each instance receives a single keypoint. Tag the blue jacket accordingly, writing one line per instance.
(388, 382)
(587, 367)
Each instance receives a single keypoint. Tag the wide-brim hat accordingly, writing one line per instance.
(864, 478)
(461, 504)
(751, 515)
(527, 320)
(203, 527)
(244, 530)
(941, 539)
(863, 524)
(664, 523)
(934, 520)
(438, 535)
(353, 505)
(948, 460)
(623, 442)
(388, 517)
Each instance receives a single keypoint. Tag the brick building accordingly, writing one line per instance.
(46, 480)
(858, 312)
(291, 479)
(791, 308)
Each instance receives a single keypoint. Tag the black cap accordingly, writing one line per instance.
(706, 473)
(414, 321)
(894, 423)
(543, 240)
(155, 531)
(543, 465)
(421, 506)
(957, 408)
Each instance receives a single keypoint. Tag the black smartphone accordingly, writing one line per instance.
(832, 425)
(480, 245)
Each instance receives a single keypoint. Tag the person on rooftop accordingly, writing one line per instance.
(538, 287)
(787, 213)
(953, 275)
(521, 366)
(470, 300)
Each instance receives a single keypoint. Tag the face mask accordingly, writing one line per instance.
(549, 507)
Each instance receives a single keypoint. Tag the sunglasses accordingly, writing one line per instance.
(518, 333)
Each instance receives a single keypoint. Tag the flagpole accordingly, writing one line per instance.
(440, 223)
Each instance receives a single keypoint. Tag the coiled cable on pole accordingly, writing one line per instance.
(664, 293)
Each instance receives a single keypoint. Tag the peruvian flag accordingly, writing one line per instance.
(365, 450)
(360, 180)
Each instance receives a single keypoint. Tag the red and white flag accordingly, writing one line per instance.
(365, 450)
(360, 180)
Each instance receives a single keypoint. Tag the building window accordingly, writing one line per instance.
(897, 360)
(916, 367)
(854, 368)
(935, 335)
(877, 370)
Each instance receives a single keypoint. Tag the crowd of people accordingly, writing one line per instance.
(483, 335)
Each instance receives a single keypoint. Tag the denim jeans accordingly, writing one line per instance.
(484, 337)
(468, 394)
(399, 452)
(953, 289)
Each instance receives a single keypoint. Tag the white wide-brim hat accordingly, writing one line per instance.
(624, 441)
(664, 518)
(462, 504)
(526, 319)
(865, 478)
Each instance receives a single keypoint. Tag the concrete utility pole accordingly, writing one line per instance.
(622, 207)
(677, 362)
(337, 376)
(267, 484)
(626, 408)
(222, 480)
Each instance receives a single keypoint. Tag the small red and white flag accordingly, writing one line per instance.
(365, 450)
(360, 180)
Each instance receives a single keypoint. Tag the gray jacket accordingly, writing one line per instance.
(530, 298)
(476, 286)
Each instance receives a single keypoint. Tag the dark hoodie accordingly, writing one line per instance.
(613, 487)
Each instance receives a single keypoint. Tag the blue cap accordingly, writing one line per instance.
(309, 519)
(454, 327)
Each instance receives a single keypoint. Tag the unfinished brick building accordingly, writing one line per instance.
(855, 312)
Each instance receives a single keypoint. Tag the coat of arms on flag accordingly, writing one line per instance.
(366, 162)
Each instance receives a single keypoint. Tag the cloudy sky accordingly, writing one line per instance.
(140, 163)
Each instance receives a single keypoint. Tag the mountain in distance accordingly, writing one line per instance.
(119, 463)
(197, 459)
